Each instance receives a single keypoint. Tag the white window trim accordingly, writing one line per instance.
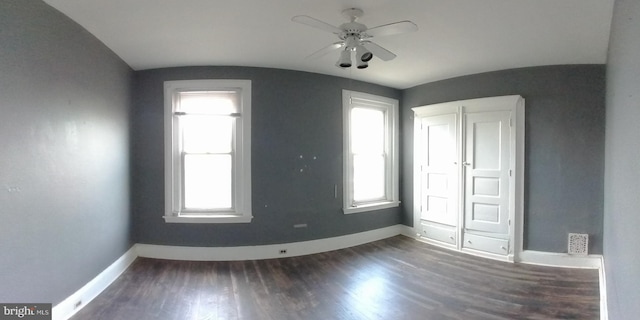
(349, 100)
(242, 176)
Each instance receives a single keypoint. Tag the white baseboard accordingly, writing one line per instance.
(67, 308)
(553, 259)
(88, 292)
(264, 251)
(407, 231)
(71, 305)
(604, 309)
(591, 261)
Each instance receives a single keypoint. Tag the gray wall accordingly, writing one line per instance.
(564, 145)
(293, 114)
(622, 163)
(64, 165)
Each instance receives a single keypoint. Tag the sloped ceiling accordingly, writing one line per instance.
(455, 37)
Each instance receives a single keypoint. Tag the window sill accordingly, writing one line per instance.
(371, 207)
(208, 219)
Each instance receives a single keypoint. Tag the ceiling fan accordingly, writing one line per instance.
(355, 37)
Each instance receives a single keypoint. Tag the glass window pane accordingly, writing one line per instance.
(210, 102)
(207, 182)
(202, 134)
(367, 130)
(368, 178)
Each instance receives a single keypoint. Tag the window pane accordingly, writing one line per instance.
(210, 102)
(368, 178)
(201, 134)
(207, 182)
(367, 131)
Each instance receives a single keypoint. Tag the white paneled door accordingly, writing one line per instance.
(486, 170)
(439, 170)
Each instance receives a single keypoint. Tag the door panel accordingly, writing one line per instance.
(485, 140)
(439, 176)
(439, 232)
(488, 244)
(486, 171)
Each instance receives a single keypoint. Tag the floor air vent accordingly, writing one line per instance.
(578, 243)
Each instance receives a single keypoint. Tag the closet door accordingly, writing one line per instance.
(486, 171)
(439, 173)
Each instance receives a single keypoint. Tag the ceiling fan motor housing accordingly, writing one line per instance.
(354, 29)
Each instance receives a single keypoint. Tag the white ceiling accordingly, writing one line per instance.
(455, 37)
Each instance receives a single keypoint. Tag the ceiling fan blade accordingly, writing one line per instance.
(392, 28)
(313, 22)
(378, 51)
(326, 50)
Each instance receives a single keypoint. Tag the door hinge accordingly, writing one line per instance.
(510, 122)
(510, 172)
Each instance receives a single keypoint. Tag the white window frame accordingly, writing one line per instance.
(350, 100)
(241, 212)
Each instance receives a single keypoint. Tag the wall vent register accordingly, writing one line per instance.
(578, 243)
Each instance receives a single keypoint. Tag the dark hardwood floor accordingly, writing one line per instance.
(395, 278)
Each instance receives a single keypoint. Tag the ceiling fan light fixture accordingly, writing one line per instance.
(363, 54)
(356, 37)
(345, 59)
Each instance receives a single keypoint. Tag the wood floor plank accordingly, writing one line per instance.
(395, 278)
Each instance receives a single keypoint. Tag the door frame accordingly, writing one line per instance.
(514, 103)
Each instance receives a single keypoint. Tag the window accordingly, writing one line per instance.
(208, 151)
(371, 154)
